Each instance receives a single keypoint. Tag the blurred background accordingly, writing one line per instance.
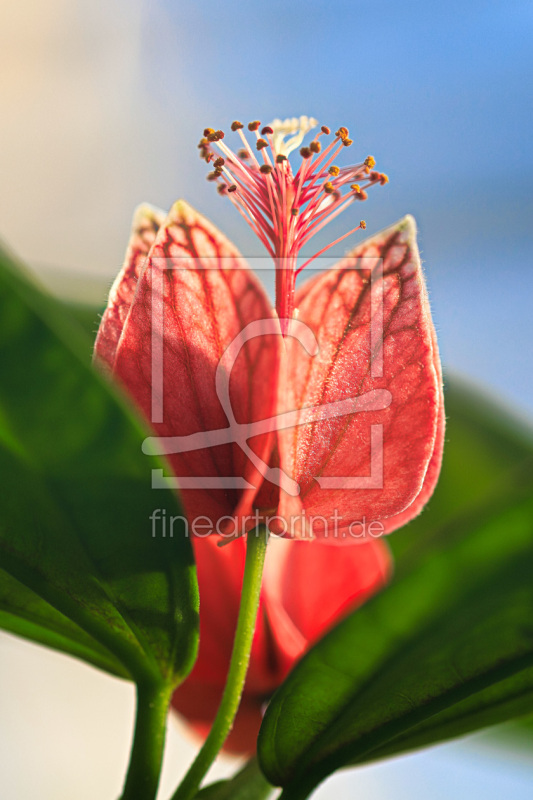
(102, 107)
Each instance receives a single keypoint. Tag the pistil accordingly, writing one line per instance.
(284, 209)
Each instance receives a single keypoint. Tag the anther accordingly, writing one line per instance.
(362, 224)
(383, 179)
(222, 188)
(267, 129)
(294, 212)
(329, 188)
(203, 142)
(207, 131)
(334, 171)
(235, 126)
(254, 126)
(305, 152)
(220, 135)
(261, 144)
(342, 133)
(219, 162)
(355, 187)
(266, 169)
(347, 142)
(370, 161)
(243, 153)
(232, 188)
(212, 176)
(325, 130)
(315, 147)
(280, 158)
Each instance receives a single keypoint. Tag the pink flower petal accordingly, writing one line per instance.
(199, 292)
(339, 306)
(309, 586)
(146, 223)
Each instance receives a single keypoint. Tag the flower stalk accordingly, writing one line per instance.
(142, 779)
(251, 590)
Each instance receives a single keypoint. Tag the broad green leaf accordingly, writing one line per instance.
(248, 784)
(448, 647)
(80, 569)
(25, 613)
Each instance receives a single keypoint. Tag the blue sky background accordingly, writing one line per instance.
(102, 109)
(441, 93)
(105, 106)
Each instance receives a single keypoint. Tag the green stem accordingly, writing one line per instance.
(146, 754)
(240, 657)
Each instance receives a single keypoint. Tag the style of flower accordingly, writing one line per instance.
(287, 210)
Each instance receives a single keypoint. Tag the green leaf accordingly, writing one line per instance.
(248, 784)
(25, 613)
(448, 647)
(80, 570)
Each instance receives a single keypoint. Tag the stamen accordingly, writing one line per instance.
(342, 133)
(284, 209)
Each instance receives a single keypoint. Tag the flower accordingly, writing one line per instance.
(335, 429)
(292, 616)
(322, 418)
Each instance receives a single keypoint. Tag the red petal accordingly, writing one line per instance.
(146, 223)
(337, 306)
(204, 296)
(432, 475)
(308, 586)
